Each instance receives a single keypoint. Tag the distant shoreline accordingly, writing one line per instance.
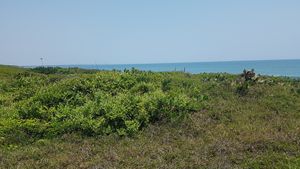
(157, 63)
(286, 67)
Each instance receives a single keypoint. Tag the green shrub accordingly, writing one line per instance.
(243, 89)
(96, 104)
(143, 88)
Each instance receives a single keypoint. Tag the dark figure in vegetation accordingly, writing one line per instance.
(249, 79)
(248, 75)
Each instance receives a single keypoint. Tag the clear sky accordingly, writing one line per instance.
(147, 31)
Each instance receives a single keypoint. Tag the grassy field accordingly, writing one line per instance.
(73, 118)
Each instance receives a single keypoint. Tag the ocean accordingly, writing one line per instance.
(289, 68)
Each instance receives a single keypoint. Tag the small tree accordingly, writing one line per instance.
(249, 75)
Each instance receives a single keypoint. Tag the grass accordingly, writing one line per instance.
(6, 71)
(259, 129)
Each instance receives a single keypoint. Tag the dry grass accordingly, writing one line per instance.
(199, 142)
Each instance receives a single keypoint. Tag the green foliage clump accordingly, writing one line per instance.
(93, 104)
(243, 88)
(249, 78)
(59, 70)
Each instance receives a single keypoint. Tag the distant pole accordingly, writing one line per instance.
(96, 66)
(42, 60)
(184, 69)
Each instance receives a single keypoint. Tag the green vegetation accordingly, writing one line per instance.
(75, 118)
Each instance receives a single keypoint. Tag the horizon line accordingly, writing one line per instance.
(153, 63)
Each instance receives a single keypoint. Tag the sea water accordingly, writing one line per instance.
(264, 67)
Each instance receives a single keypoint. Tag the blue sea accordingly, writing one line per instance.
(264, 67)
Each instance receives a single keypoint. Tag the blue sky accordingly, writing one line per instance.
(152, 31)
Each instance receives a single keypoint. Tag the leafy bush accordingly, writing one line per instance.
(101, 103)
(242, 89)
(59, 70)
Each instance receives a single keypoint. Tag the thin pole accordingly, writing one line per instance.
(42, 60)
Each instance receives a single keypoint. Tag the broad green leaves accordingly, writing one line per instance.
(96, 104)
